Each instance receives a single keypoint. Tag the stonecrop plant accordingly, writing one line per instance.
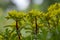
(40, 25)
(17, 17)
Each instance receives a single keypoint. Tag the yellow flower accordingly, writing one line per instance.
(15, 14)
(20, 14)
(35, 13)
(53, 7)
(12, 12)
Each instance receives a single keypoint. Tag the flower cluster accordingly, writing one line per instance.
(36, 19)
(54, 9)
(35, 13)
(16, 15)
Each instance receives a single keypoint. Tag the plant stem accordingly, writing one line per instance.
(17, 30)
(36, 28)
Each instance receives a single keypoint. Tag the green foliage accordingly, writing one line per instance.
(40, 25)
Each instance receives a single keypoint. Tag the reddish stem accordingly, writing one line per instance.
(17, 30)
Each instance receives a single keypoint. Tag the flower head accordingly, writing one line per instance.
(35, 12)
(16, 15)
